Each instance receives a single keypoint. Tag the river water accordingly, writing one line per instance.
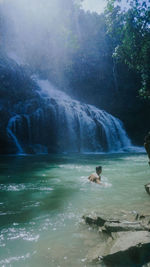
(44, 197)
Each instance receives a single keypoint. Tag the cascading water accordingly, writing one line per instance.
(13, 127)
(82, 127)
(62, 124)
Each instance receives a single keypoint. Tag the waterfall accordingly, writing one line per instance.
(61, 124)
(12, 126)
(28, 121)
(81, 127)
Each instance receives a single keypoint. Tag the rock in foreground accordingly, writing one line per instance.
(122, 242)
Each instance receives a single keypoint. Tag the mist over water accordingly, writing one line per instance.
(32, 28)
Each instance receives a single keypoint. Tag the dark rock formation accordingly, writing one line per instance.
(19, 100)
(147, 188)
(98, 221)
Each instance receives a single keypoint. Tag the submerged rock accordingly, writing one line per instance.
(122, 242)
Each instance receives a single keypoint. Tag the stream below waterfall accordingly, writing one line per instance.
(44, 197)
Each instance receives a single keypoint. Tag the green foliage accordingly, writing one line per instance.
(131, 31)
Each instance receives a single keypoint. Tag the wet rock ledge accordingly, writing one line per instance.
(123, 241)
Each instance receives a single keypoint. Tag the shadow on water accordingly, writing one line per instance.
(26, 193)
(20, 208)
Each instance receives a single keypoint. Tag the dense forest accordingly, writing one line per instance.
(101, 59)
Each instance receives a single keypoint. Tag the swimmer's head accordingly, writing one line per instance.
(98, 169)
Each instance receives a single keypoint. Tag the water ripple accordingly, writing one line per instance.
(18, 258)
(22, 187)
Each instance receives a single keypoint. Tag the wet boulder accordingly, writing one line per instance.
(129, 249)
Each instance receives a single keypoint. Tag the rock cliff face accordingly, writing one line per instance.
(20, 110)
(35, 117)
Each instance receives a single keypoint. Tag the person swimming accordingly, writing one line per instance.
(95, 177)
